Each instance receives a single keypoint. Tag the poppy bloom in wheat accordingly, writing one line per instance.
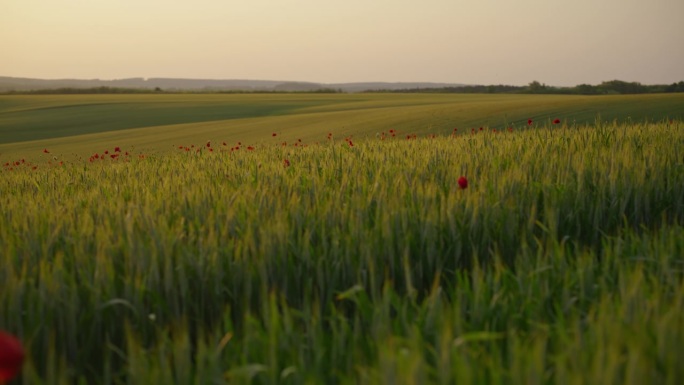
(556, 121)
(11, 356)
(45, 150)
(529, 122)
(462, 183)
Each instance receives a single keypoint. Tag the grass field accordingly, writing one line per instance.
(353, 260)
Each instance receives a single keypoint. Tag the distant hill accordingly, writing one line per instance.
(8, 84)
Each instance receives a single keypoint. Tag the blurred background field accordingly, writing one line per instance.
(74, 125)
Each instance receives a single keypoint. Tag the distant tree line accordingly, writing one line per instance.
(613, 87)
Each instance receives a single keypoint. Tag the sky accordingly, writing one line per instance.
(556, 42)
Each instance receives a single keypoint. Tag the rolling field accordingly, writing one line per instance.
(351, 258)
(73, 125)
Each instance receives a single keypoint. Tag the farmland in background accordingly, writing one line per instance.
(78, 124)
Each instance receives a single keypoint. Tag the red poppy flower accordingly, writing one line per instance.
(250, 148)
(274, 134)
(11, 356)
(34, 168)
(106, 152)
(351, 144)
(463, 183)
(556, 121)
(529, 122)
(286, 163)
(208, 144)
(225, 144)
(46, 151)
(117, 149)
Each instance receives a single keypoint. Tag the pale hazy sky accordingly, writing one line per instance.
(558, 42)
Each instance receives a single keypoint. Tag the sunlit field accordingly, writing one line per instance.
(350, 257)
